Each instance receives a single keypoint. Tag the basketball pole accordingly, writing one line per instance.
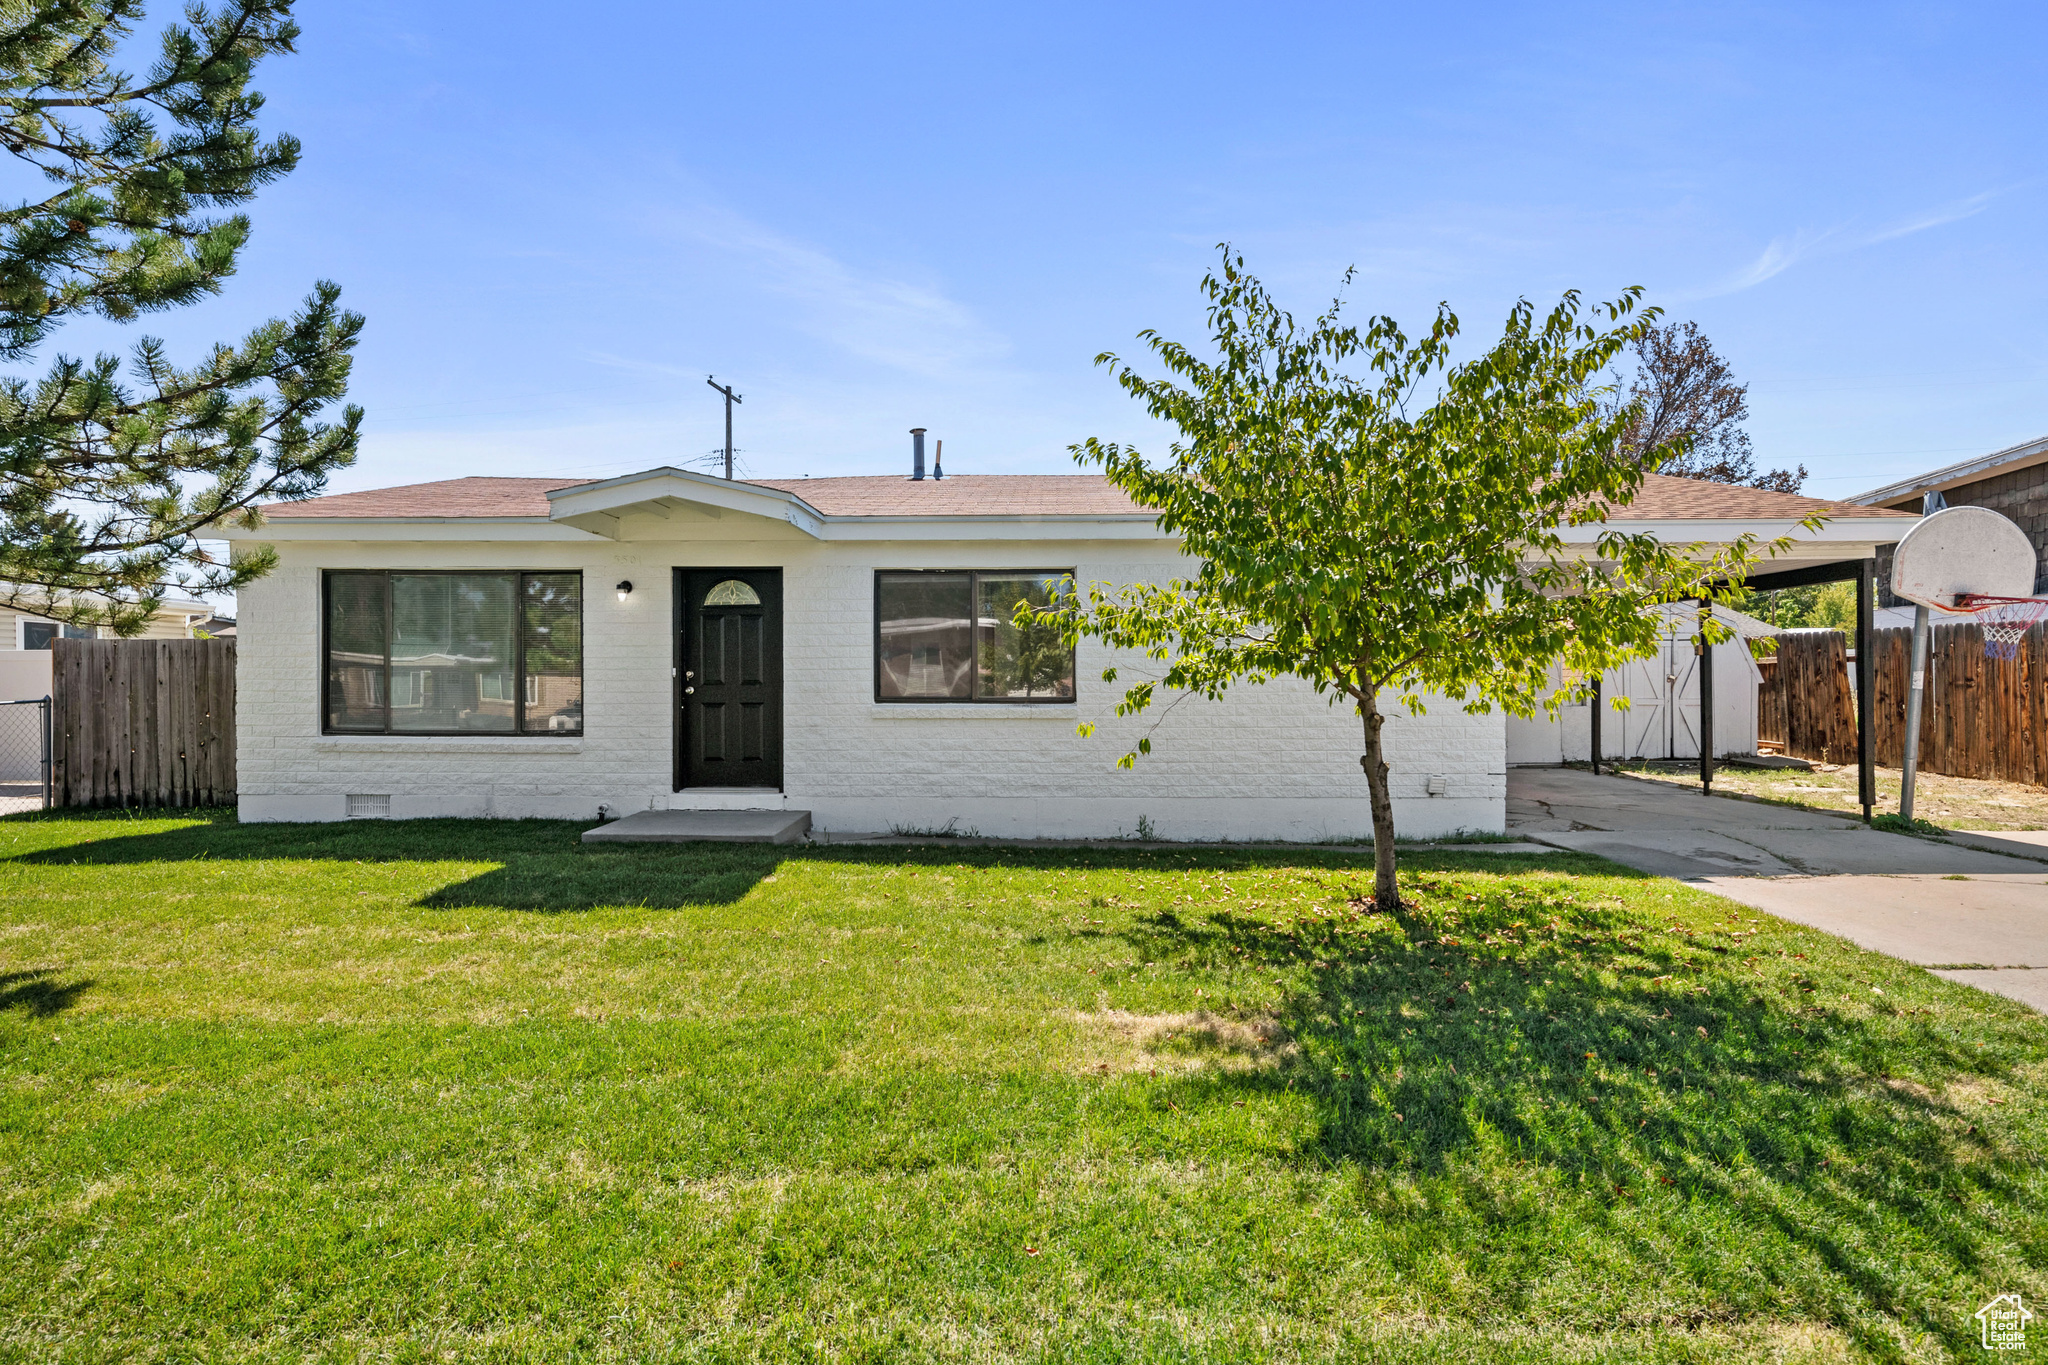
(1866, 687)
(1923, 629)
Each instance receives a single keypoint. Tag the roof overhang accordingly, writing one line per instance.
(1954, 476)
(1837, 538)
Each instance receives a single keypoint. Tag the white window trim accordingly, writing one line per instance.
(23, 621)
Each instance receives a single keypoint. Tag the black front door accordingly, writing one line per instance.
(729, 678)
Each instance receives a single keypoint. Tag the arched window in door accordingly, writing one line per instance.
(732, 593)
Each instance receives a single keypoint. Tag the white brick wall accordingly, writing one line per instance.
(1275, 762)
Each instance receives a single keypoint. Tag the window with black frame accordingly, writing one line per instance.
(952, 636)
(453, 653)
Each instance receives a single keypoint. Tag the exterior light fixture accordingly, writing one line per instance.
(625, 590)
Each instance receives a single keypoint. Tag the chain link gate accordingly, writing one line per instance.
(24, 755)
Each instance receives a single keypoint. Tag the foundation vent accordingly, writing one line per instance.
(368, 807)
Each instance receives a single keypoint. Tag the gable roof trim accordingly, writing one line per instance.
(1968, 471)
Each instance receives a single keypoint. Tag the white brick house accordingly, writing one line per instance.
(412, 654)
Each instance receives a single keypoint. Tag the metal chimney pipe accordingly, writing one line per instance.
(917, 454)
(938, 459)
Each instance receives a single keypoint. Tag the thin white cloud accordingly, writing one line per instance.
(1781, 255)
(1952, 213)
(1785, 252)
(899, 323)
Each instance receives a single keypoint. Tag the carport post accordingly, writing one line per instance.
(1705, 649)
(1866, 686)
(1596, 725)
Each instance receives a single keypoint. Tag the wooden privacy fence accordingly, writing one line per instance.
(1980, 718)
(1804, 703)
(143, 722)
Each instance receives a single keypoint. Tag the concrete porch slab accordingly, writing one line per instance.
(712, 826)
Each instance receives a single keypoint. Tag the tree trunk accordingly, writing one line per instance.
(1386, 891)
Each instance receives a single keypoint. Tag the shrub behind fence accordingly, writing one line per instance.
(143, 722)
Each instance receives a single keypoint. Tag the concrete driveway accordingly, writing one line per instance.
(1974, 911)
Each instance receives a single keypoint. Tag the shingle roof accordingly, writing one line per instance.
(971, 495)
(475, 497)
(962, 495)
(1663, 498)
(1667, 498)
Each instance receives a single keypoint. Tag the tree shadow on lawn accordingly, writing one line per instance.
(543, 865)
(38, 993)
(1484, 1036)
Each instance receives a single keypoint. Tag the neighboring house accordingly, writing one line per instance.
(173, 621)
(25, 642)
(2013, 481)
(843, 646)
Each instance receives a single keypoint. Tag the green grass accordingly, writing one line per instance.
(466, 1090)
(1899, 824)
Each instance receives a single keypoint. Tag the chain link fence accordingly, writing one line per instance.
(24, 755)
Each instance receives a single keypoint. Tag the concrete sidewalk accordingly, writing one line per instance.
(1973, 910)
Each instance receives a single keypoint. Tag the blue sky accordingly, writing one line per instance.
(870, 218)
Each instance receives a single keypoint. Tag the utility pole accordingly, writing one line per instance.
(730, 399)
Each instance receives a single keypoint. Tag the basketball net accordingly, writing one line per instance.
(2004, 620)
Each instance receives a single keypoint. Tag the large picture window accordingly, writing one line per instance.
(454, 653)
(952, 637)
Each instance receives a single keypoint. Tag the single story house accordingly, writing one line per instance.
(842, 646)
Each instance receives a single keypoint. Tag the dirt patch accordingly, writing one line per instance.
(1195, 1041)
(1957, 802)
(1973, 1090)
(1913, 1088)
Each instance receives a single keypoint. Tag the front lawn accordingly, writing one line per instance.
(469, 1091)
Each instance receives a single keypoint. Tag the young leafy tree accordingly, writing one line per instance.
(106, 477)
(1390, 535)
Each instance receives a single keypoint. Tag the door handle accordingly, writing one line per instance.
(689, 691)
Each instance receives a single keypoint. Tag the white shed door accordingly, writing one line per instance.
(1682, 671)
(1643, 725)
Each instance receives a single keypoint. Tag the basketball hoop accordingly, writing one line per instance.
(1968, 559)
(2004, 620)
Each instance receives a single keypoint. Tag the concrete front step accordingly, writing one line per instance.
(692, 826)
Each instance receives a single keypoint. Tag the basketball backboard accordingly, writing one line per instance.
(1962, 550)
